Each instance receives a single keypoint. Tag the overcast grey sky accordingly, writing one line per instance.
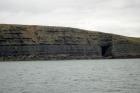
(113, 16)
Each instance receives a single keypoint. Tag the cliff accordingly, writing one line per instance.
(24, 42)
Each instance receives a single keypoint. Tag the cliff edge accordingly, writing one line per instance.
(32, 42)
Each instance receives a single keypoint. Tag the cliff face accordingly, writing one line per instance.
(22, 42)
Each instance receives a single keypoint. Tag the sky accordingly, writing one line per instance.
(112, 16)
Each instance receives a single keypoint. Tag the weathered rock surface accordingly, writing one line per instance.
(22, 42)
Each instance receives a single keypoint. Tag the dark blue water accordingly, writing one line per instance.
(75, 76)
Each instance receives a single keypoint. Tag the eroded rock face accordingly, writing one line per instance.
(22, 42)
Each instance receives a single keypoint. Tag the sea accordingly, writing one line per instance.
(71, 76)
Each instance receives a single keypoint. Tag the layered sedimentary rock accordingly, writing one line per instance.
(23, 42)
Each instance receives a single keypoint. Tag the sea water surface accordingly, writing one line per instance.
(74, 76)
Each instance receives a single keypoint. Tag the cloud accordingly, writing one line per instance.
(112, 16)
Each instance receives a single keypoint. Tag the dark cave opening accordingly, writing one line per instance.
(106, 51)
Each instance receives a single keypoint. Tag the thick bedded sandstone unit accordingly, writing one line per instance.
(22, 42)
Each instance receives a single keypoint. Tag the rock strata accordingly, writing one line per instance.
(24, 42)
